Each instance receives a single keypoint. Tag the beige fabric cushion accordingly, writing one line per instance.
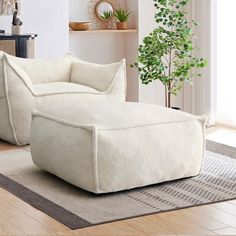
(45, 70)
(100, 77)
(117, 146)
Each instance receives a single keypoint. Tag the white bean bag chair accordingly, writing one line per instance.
(29, 84)
(108, 147)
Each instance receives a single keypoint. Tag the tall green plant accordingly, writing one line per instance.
(166, 54)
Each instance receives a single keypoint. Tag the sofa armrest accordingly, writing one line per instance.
(19, 73)
(108, 79)
(16, 103)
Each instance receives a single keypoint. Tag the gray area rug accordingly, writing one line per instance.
(77, 208)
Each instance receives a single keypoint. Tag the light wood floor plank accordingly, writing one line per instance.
(14, 206)
(201, 220)
(226, 207)
(178, 225)
(232, 202)
(6, 146)
(6, 228)
(29, 225)
(226, 231)
(218, 215)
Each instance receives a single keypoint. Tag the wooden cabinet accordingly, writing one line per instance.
(18, 45)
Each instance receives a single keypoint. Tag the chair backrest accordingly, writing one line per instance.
(45, 70)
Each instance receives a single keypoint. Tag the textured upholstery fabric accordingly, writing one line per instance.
(108, 147)
(58, 70)
(94, 75)
(62, 88)
(27, 84)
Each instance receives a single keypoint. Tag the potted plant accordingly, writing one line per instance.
(166, 54)
(122, 16)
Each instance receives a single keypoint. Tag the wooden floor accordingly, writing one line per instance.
(19, 218)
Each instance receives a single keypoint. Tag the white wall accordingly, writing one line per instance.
(49, 19)
(131, 55)
(198, 98)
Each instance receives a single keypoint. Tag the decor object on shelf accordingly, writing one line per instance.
(44, 83)
(8, 7)
(16, 22)
(101, 13)
(166, 54)
(106, 151)
(80, 26)
(122, 16)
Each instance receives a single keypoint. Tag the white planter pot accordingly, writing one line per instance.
(17, 29)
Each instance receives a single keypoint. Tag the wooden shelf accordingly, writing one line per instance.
(107, 31)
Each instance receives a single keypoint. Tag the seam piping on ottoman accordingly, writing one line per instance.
(95, 160)
(149, 125)
(88, 127)
(37, 113)
(9, 104)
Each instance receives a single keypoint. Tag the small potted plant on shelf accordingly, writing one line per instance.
(122, 16)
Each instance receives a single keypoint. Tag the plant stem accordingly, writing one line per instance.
(169, 95)
(169, 84)
(166, 96)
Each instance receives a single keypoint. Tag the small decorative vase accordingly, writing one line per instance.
(122, 25)
(17, 29)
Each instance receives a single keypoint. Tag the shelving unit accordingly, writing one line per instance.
(112, 31)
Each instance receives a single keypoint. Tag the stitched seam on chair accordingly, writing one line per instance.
(36, 113)
(13, 68)
(95, 159)
(9, 104)
(54, 94)
(121, 67)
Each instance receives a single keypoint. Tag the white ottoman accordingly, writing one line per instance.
(108, 147)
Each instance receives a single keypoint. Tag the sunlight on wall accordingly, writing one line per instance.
(226, 94)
